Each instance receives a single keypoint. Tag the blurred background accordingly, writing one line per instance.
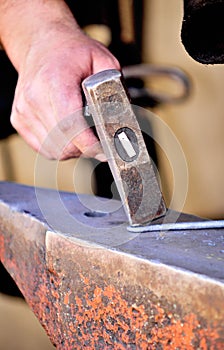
(142, 32)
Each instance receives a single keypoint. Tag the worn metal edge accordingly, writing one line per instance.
(164, 275)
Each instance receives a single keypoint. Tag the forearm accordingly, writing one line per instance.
(23, 23)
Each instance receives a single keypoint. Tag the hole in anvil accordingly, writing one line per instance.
(117, 222)
(95, 214)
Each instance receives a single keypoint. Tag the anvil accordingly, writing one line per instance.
(94, 285)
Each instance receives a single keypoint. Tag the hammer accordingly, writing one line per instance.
(124, 147)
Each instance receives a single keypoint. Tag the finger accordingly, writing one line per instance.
(31, 139)
(103, 59)
(42, 133)
(77, 131)
(52, 145)
(74, 126)
(90, 146)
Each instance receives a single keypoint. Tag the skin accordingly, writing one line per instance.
(52, 56)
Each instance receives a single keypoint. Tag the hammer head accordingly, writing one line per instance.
(123, 144)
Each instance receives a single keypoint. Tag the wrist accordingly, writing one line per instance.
(24, 24)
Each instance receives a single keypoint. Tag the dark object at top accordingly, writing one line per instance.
(203, 30)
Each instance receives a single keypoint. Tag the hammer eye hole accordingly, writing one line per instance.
(126, 144)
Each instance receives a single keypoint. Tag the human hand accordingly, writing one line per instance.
(48, 96)
(49, 91)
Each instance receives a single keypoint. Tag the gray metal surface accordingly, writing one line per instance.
(156, 290)
(78, 216)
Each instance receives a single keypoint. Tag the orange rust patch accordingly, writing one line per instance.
(66, 298)
(102, 316)
(99, 316)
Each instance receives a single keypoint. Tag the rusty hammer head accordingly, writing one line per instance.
(123, 144)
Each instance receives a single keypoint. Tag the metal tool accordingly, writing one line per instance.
(123, 144)
(180, 226)
(148, 96)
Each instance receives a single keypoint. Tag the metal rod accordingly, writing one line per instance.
(197, 225)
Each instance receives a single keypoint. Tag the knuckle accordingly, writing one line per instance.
(22, 100)
(15, 119)
(28, 96)
(70, 151)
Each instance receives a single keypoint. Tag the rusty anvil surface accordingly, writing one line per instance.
(94, 285)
